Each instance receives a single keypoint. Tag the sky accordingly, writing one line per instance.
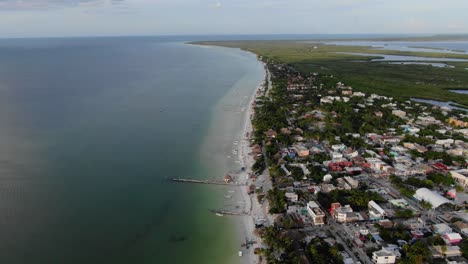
(61, 18)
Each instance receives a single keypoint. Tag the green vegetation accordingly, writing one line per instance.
(419, 140)
(358, 199)
(444, 156)
(422, 81)
(464, 248)
(393, 234)
(441, 179)
(417, 253)
(400, 185)
(404, 213)
(277, 200)
(425, 205)
(322, 253)
(277, 241)
(259, 164)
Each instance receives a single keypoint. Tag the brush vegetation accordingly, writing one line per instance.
(363, 74)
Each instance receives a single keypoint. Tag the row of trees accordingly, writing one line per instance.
(358, 199)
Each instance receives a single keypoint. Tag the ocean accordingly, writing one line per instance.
(91, 131)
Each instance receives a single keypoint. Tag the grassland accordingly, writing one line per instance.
(422, 81)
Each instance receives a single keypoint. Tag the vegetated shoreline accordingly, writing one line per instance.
(375, 77)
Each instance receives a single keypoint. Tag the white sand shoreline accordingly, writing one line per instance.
(255, 209)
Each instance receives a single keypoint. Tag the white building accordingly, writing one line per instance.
(383, 257)
(292, 196)
(336, 156)
(341, 213)
(435, 199)
(442, 229)
(318, 216)
(445, 142)
(359, 94)
(338, 147)
(352, 182)
(399, 113)
(460, 176)
(375, 211)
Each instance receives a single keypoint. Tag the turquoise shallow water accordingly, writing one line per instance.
(90, 131)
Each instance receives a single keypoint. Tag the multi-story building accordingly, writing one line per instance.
(318, 216)
(384, 257)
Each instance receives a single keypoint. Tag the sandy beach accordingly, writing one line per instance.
(256, 212)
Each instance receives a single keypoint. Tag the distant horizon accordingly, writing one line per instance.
(75, 18)
(333, 35)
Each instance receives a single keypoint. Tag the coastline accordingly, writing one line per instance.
(256, 210)
(226, 149)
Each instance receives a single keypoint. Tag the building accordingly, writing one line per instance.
(344, 214)
(456, 122)
(441, 229)
(445, 142)
(336, 156)
(435, 199)
(342, 184)
(375, 211)
(338, 147)
(383, 257)
(449, 251)
(271, 133)
(452, 238)
(227, 178)
(291, 196)
(461, 226)
(352, 182)
(318, 216)
(400, 203)
(399, 113)
(301, 150)
(460, 176)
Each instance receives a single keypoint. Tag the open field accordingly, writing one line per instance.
(421, 81)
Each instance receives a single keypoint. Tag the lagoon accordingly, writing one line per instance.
(386, 57)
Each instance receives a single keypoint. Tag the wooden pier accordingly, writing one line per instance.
(205, 182)
(225, 212)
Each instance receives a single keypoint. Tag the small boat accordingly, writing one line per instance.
(228, 196)
(219, 214)
(240, 253)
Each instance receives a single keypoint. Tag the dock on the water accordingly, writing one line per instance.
(225, 212)
(205, 182)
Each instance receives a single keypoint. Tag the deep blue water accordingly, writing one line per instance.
(91, 128)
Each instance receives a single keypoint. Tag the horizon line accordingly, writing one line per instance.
(237, 34)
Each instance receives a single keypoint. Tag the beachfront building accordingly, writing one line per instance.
(318, 216)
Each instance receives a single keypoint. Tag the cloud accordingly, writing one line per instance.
(7, 5)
